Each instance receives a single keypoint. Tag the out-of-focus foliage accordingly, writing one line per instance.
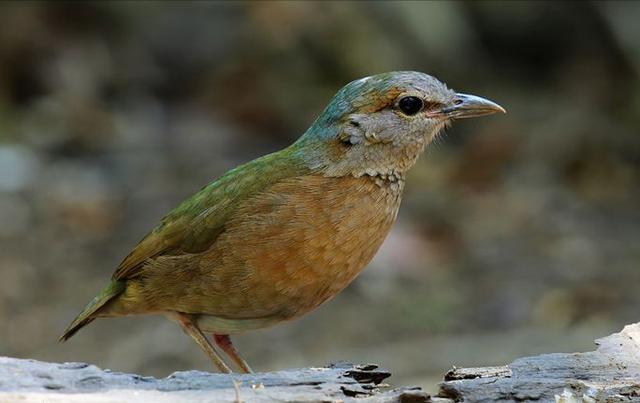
(518, 233)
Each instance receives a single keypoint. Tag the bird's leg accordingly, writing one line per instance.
(190, 328)
(224, 342)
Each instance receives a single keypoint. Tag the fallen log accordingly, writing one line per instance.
(609, 374)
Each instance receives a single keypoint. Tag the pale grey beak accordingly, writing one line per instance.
(470, 106)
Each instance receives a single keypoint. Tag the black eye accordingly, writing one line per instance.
(410, 105)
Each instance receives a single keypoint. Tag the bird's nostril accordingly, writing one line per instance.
(458, 101)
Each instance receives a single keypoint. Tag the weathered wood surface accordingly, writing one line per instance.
(34, 381)
(609, 374)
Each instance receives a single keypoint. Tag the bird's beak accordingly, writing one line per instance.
(470, 106)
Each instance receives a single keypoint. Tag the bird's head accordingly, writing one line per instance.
(381, 124)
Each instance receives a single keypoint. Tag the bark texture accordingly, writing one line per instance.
(609, 374)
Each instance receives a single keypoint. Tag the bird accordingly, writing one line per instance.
(274, 238)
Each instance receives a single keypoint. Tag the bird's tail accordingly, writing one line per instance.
(88, 313)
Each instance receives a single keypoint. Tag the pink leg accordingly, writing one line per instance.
(224, 342)
(190, 328)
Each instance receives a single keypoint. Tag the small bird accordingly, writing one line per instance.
(274, 238)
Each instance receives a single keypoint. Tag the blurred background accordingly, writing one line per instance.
(519, 234)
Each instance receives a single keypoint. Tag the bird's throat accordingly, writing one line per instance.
(387, 164)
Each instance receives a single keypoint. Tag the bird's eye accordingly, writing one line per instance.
(410, 105)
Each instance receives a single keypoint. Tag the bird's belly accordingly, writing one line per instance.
(298, 245)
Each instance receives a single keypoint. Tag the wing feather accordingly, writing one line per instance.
(195, 224)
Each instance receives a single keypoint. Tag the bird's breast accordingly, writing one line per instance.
(299, 243)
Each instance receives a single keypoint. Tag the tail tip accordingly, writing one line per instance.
(73, 329)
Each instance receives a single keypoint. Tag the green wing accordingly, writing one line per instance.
(195, 224)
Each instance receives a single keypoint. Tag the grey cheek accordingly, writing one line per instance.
(351, 135)
(374, 129)
(371, 136)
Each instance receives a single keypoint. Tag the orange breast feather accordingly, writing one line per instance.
(283, 252)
